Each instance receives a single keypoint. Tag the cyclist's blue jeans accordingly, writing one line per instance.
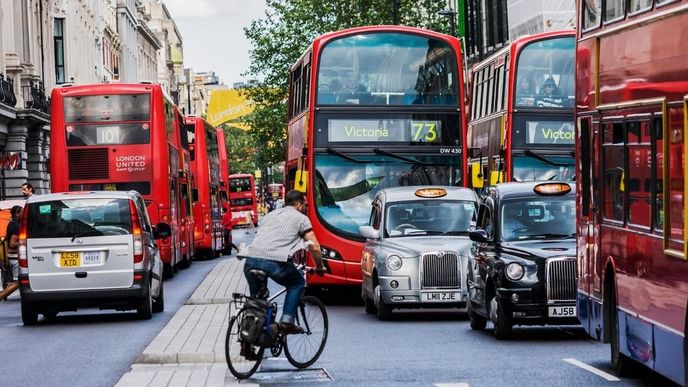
(285, 274)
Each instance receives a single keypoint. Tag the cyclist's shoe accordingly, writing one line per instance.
(248, 353)
(289, 329)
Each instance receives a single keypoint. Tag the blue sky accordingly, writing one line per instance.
(213, 36)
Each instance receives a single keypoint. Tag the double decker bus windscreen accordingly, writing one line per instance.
(388, 69)
(240, 184)
(107, 119)
(346, 184)
(545, 74)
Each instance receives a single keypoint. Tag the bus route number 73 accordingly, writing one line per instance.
(425, 131)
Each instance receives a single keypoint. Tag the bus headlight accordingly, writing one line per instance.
(514, 271)
(394, 262)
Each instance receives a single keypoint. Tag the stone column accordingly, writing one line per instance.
(36, 165)
(16, 142)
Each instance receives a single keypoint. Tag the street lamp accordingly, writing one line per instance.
(452, 19)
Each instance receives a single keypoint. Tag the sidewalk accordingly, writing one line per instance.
(189, 351)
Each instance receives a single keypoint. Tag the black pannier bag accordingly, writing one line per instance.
(258, 326)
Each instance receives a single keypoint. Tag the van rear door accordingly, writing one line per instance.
(84, 243)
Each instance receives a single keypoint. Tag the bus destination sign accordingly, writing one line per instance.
(384, 130)
(550, 132)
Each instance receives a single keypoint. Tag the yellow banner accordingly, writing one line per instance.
(229, 105)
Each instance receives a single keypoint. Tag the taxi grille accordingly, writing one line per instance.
(561, 279)
(440, 270)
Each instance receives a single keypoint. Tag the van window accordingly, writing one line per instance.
(81, 217)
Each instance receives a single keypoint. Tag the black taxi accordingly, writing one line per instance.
(522, 270)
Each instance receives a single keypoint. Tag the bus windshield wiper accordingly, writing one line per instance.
(345, 156)
(546, 160)
(402, 158)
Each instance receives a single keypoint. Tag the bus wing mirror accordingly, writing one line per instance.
(496, 177)
(476, 175)
(301, 181)
(474, 152)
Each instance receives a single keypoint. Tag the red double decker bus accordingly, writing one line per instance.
(632, 214)
(188, 250)
(242, 200)
(207, 199)
(121, 137)
(370, 108)
(521, 121)
(224, 183)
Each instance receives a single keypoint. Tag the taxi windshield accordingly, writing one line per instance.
(538, 219)
(429, 217)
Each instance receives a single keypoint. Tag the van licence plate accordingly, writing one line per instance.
(77, 258)
(70, 259)
(441, 297)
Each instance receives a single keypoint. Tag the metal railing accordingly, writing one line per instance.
(34, 97)
(7, 96)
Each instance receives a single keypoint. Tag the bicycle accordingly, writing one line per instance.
(301, 349)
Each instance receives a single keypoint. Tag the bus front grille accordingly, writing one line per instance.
(88, 164)
(440, 269)
(561, 279)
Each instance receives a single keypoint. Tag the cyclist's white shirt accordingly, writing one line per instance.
(279, 236)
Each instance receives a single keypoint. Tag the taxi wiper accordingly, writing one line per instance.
(552, 235)
(546, 160)
(399, 157)
(455, 232)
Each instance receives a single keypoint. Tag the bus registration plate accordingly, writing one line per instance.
(70, 259)
(562, 311)
(440, 297)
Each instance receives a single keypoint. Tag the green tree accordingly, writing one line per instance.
(240, 150)
(286, 31)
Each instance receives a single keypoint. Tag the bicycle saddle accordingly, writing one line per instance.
(259, 274)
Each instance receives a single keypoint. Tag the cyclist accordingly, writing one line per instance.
(281, 235)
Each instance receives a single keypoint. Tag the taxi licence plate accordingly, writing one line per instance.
(70, 259)
(561, 311)
(440, 297)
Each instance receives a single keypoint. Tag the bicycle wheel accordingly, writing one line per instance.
(302, 350)
(242, 366)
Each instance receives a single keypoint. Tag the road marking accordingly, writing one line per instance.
(600, 373)
(452, 385)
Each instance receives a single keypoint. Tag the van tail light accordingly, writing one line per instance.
(136, 233)
(23, 256)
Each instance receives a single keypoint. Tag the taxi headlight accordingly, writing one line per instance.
(514, 271)
(394, 262)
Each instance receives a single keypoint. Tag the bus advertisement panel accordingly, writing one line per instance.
(207, 206)
(106, 136)
(632, 217)
(370, 108)
(242, 200)
(521, 121)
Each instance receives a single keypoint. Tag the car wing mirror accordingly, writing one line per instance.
(162, 230)
(369, 232)
(478, 235)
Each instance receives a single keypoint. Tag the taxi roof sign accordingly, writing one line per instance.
(431, 192)
(552, 189)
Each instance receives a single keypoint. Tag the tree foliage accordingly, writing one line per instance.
(241, 153)
(286, 31)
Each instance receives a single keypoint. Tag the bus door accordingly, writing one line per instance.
(175, 213)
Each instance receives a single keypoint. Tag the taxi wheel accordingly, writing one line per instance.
(477, 322)
(369, 305)
(502, 325)
(384, 311)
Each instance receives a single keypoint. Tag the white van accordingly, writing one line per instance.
(89, 249)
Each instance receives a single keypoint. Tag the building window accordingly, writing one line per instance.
(58, 43)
